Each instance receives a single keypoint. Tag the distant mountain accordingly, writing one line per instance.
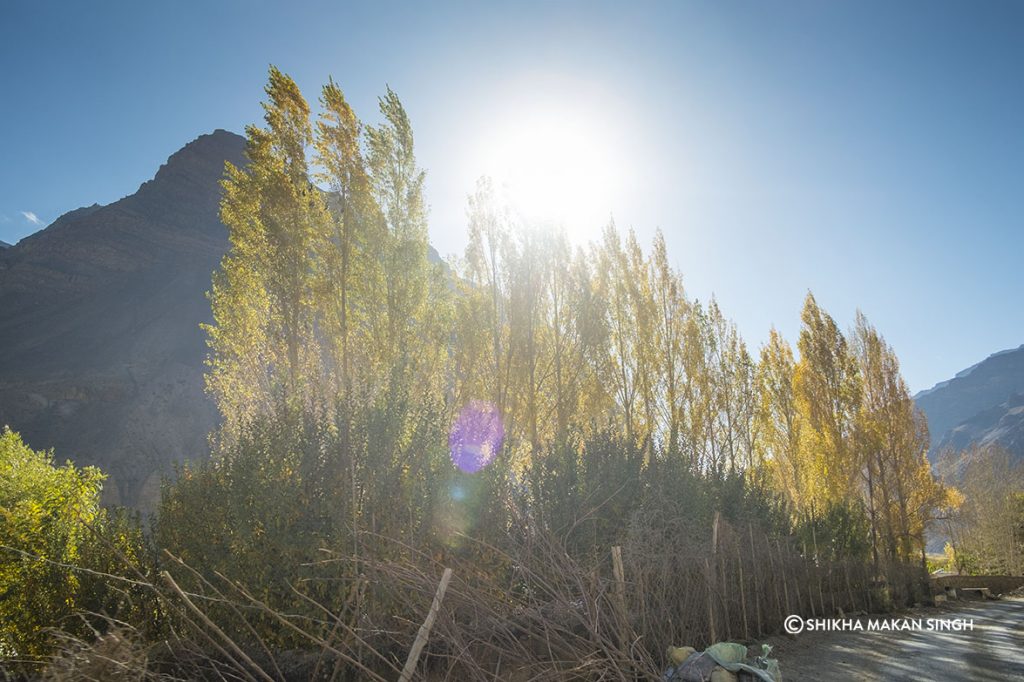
(982, 404)
(1002, 424)
(101, 354)
(4, 245)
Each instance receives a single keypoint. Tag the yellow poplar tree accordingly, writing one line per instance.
(264, 355)
(828, 395)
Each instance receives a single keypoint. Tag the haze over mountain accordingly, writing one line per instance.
(101, 354)
(983, 404)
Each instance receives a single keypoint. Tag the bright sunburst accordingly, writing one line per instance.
(556, 165)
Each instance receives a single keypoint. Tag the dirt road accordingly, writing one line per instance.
(994, 650)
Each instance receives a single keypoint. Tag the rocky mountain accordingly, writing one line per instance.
(4, 245)
(1002, 425)
(983, 404)
(101, 354)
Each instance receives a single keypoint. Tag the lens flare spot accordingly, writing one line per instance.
(476, 436)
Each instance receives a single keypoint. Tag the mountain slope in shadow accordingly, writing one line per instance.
(101, 354)
(982, 404)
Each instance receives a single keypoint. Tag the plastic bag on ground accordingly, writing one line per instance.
(722, 662)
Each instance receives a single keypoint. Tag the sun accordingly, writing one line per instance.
(556, 166)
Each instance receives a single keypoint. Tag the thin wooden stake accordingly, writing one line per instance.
(757, 590)
(712, 576)
(620, 575)
(849, 589)
(620, 589)
(714, 534)
(810, 586)
(775, 582)
(821, 591)
(424, 633)
(723, 581)
(711, 603)
(743, 592)
(832, 586)
(817, 563)
(785, 582)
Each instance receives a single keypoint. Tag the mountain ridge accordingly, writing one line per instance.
(964, 372)
(101, 353)
(982, 404)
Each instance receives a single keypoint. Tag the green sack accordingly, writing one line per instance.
(727, 653)
(732, 657)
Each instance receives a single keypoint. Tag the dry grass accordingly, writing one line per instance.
(526, 611)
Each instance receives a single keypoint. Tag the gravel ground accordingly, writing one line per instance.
(994, 650)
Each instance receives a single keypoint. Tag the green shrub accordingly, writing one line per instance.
(55, 541)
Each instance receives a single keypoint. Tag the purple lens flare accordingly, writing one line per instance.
(476, 436)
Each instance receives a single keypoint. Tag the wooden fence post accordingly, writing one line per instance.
(817, 563)
(709, 574)
(849, 588)
(810, 586)
(712, 576)
(785, 582)
(424, 632)
(620, 591)
(743, 592)
(775, 582)
(620, 576)
(757, 572)
(714, 533)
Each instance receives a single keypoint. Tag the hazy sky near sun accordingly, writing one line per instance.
(870, 152)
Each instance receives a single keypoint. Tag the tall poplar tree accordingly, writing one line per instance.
(779, 420)
(348, 274)
(892, 445)
(828, 396)
(397, 186)
(264, 356)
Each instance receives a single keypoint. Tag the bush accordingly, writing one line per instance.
(55, 542)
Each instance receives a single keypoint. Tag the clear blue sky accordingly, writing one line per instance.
(870, 152)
